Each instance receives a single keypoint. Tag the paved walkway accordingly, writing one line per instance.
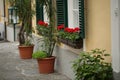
(14, 68)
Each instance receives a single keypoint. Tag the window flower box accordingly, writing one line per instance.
(65, 41)
(70, 36)
(76, 44)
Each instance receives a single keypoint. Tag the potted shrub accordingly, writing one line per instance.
(45, 63)
(91, 66)
(25, 14)
(48, 32)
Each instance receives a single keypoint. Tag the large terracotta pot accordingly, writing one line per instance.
(46, 65)
(26, 51)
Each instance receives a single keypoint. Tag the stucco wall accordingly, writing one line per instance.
(98, 33)
(34, 17)
(1, 9)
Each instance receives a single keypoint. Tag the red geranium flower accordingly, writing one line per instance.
(60, 27)
(42, 23)
(72, 30)
(77, 29)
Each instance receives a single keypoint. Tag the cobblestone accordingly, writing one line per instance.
(14, 68)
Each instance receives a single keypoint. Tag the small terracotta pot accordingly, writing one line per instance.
(46, 65)
(26, 51)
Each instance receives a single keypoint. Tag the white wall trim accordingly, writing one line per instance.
(115, 32)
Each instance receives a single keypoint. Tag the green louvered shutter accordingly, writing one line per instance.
(62, 13)
(81, 18)
(39, 11)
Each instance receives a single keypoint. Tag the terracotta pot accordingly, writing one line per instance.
(46, 65)
(26, 51)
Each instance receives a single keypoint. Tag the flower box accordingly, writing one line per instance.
(63, 40)
(70, 36)
(76, 44)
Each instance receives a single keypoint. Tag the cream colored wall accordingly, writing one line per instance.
(1, 11)
(98, 33)
(34, 17)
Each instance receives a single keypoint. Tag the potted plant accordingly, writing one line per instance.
(49, 38)
(45, 63)
(91, 66)
(25, 14)
(70, 36)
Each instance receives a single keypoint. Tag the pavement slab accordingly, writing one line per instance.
(14, 68)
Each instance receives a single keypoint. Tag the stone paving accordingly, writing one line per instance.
(14, 68)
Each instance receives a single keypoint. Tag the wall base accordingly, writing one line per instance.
(116, 76)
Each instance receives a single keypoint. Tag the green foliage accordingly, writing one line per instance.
(49, 33)
(48, 40)
(72, 36)
(39, 54)
(61, 34)
(68, 36)
(28, 42)
(91, 66)
(43, 30)
(25, 13)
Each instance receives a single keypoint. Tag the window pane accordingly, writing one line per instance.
(76, 18)
(76, 13)
(75, 4)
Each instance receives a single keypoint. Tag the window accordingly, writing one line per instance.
(76, 15)
(75, 18)
(39, 11)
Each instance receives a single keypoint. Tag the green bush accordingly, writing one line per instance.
(39, 54)
(91, 66)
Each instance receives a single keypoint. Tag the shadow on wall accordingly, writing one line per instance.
(117, 76)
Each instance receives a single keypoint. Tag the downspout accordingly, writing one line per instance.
(5, 34)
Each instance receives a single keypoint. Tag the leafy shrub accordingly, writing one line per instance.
(91, 66)
(39, 54)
